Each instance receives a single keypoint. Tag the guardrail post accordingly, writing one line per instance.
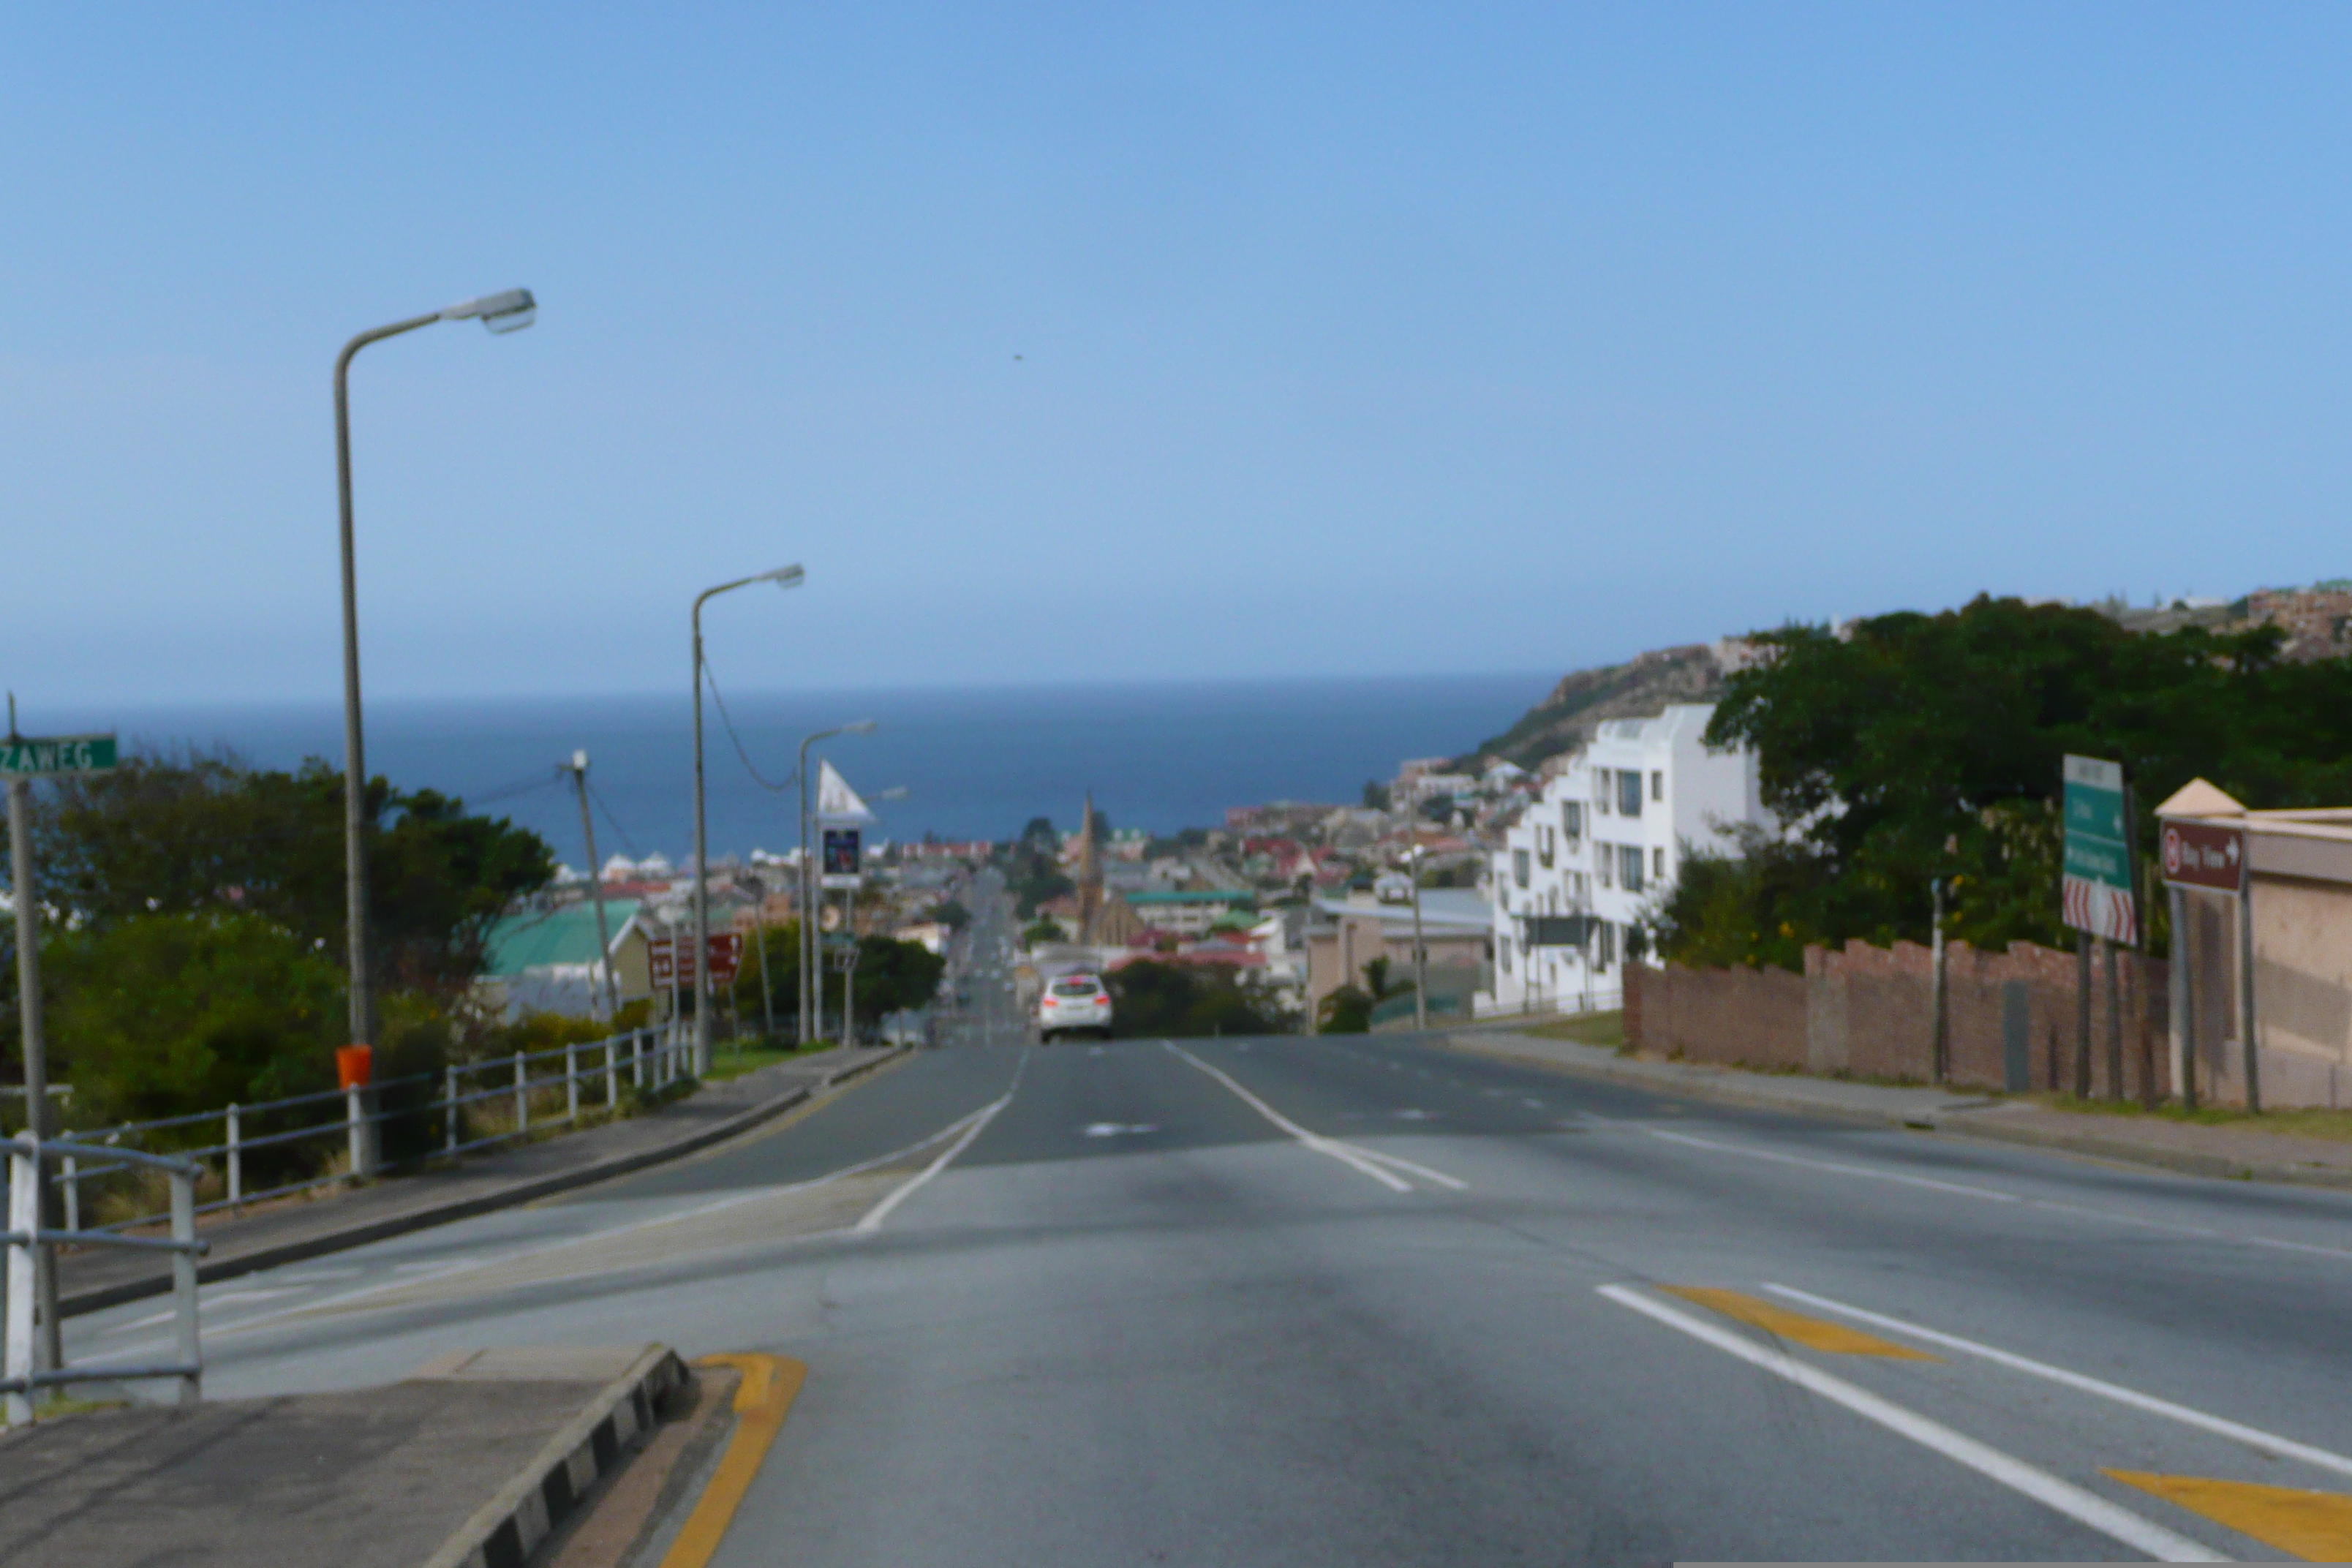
(611, 1073)
(637, 1061)
(523, 1093)
(449, 1109)
(69, 1178)
(571, 1081)
(234, 1160)
(355, 1125)
(184, 1284)
(24, 1219)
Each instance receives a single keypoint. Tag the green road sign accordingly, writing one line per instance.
(24, 757)
(2096, 894)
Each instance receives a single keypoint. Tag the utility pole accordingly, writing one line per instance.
(48, 1349)
(1940, 1052)
(578, 769)
(1419, 952)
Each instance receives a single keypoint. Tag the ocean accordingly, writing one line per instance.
(975, 763)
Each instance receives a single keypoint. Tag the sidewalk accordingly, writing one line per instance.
(474, 1460)
(2233, 1152)
(353, 1217)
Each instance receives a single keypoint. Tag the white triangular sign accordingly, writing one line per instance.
(837, 804)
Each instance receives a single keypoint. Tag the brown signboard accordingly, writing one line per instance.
(2202, 854)
(671, 960)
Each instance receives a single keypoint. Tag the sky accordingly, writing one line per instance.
(1106, 342)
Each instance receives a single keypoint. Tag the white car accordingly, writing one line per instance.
(1071, 1002)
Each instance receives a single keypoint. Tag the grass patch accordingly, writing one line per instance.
(1606, 1030)
(727, 1062)
(2300, 1123)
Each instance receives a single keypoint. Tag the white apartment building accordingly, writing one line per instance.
(1594, 854)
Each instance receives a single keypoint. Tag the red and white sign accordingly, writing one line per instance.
(2202, 854)
(671, 959)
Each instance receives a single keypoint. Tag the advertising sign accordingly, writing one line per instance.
(2202, 855)
(840, 862)
(2096, 891)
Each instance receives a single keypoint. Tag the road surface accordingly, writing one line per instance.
(1368, 1299)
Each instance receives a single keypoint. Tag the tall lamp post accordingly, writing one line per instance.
(507, 312)
(782, 577)
(811, 1016)
(1420, 949)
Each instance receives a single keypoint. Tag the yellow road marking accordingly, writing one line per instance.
(762, 1399)
(1814, 1333)
(2315, 1526)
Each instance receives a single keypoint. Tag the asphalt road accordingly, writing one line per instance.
(1369, 1299)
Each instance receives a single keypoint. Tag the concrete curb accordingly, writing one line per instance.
(1963, 1122)
(522, 1191)
(505, 1530)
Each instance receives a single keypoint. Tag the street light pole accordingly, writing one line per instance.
(811, 1015)
(782, 577)
(578, 769)
(500, 313)
(1419, 952)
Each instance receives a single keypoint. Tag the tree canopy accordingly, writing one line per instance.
(1909, 746)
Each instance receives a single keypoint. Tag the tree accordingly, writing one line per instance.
(1909, 747)
(1153, 1000)
(894, 976)
(1346, 1011)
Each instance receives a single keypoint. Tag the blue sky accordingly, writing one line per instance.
(1123, 341)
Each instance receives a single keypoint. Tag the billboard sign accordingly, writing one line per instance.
(2096, 894)
(841, 859)
(2203, 855)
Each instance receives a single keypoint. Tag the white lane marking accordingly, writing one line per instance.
(882, 1211)
(2298, 1247)
(1453, 1183)
(2252, 1437)
(1119, 1128)
(206, 1302)
(445, 1270)
(1346, 1154)
(1779, 1159)
(1412, 1115)
(2083, 1506)
(1533, 1104)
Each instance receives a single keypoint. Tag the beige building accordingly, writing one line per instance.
(2300, 872)
(1346, 935)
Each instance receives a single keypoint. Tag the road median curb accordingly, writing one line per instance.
(523, 1191)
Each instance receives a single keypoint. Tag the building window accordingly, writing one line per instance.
(1658, 864)
(1603, 855)
(1600, 790)
(1519, 866)
(1658, 785)
(1572, 819)
(1629, 793)
(1545, 843)
(1608, 944)
(1628, 871)
(1502, 951)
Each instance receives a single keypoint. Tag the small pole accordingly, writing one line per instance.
(1939, 1045)
(355, 1125)
(449, 1109)
(24, 1218)
(2115, 1022)
(184, 1285)
(523, 1093)
(571, 1081)
(579, 771)
(235, 1160)
(767, 996)
(638, 1060)
(51, 1346)
(2246, 978)
(2184, 997)
(69, 1178)
(611, 1073)
(2082, 1015)
(1420, 951)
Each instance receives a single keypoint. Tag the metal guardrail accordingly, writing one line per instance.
(652, 1058)
(30, 1357)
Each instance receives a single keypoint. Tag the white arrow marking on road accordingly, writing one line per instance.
(2083, 1506)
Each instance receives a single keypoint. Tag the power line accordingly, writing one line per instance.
(727, 719)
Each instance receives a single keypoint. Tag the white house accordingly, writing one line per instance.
(1594, 853)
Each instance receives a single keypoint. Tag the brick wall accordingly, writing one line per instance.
(1868, 1011)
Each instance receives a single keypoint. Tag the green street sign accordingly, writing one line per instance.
(56, 756)
(2097, 892)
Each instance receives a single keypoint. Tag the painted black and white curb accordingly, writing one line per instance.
(507, 1529)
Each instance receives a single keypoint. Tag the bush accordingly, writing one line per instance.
(1152, 999)
(168, 1015)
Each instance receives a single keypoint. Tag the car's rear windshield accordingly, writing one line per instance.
(1074, 987)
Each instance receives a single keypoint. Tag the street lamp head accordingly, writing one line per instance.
(859, 727)
(782, 577)
(897, 792)
(508, 312)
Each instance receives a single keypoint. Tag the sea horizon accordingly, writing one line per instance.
(978, 761)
